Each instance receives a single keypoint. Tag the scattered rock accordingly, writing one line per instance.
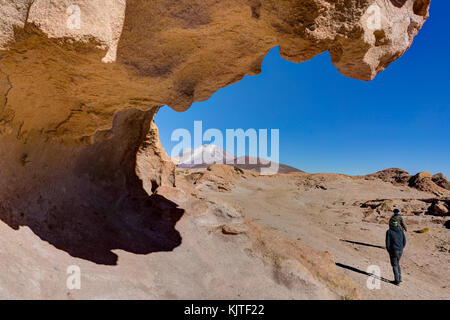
(380, 210)
(238, 170)
(224, 210)
(235, 228)
(424, 230)
(219, 177)
(386, 205)
(381, 206)
(314, 181)
(439, 208)
(442, 248)
(224, 171)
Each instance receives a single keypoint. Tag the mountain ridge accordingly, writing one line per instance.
(208, 154)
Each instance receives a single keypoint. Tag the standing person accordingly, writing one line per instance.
(395, 243)
(397, 220)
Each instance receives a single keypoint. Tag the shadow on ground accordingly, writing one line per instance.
(86, 199)
(363, 244)
(362, 272)
(142, 225)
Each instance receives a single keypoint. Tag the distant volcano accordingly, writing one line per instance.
(204, 156)
(208, 154)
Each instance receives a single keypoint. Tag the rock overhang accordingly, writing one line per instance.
(80, 62)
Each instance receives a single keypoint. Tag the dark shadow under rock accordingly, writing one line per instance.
(85, 198)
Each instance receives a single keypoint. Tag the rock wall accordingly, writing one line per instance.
(80, 81)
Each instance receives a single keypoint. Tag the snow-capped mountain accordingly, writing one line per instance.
(208, 154)
(203, 156)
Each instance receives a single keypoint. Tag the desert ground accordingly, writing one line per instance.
(324, 211)
(246, 236)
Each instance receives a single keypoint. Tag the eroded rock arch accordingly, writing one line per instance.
(61, 88)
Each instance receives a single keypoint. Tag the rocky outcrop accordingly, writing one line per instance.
(440, 208)
(423, 181)
(69, 66)
(217, 176)
(441, 181)
(392, 175)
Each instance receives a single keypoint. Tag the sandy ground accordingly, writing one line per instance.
(323, 218)
(288, 221)
(207, 264)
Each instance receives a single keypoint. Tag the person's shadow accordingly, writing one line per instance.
(341, 265)
(93, 203)
(362, 272)
(362, 244)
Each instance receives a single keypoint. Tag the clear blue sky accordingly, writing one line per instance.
(330, 123)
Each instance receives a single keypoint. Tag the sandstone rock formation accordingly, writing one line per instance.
(441, 181)
(423, 181)
(440, 208)
(81, 80)
(174, 52)
(218, 176)
(392, 175)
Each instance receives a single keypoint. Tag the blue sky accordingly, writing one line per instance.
(331, 123)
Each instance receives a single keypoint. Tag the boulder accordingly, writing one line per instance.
(439, 208)
(386, 205)
(423, 182)
(235, 228)
(441, 181)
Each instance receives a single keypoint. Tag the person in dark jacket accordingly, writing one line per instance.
(395, 243)
(397, 220)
